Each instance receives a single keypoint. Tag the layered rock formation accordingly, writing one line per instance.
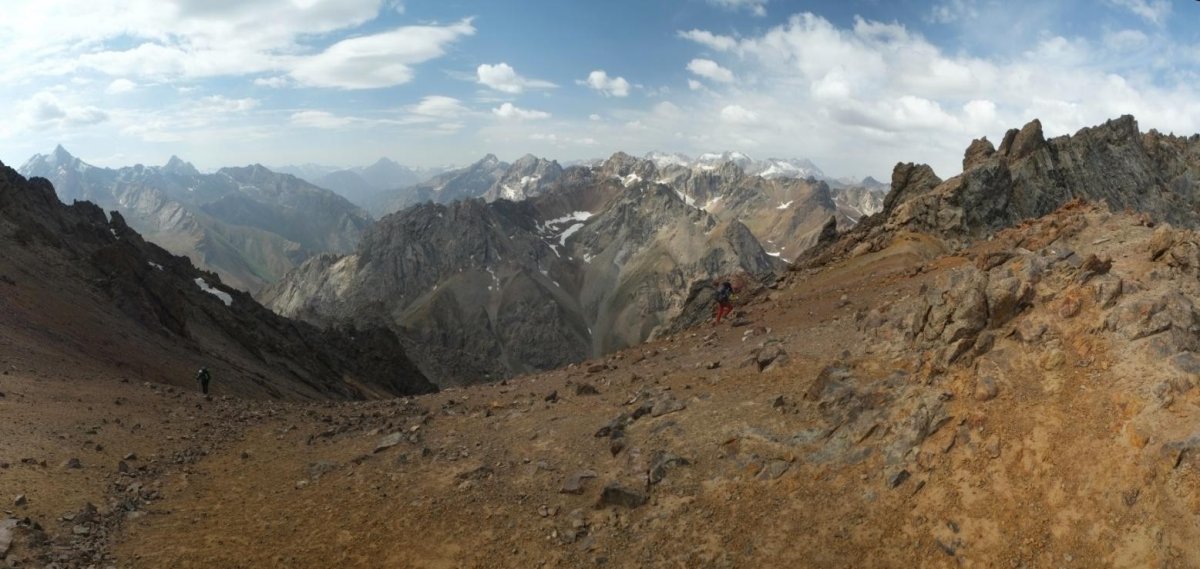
(135, 303)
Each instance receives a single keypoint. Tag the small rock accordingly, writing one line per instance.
(596, 368)
(122, 467)
(301, 484)
(20, 500)
(712, 365)
(131, 456)
(575, 482)
(774, 469)
(389, 441)
(617, 495)
(551, 397)
(81, 529)
(586, 389)
(898, 478)
(661, 463)
(986, 388)
(73, 463)
(667, 405)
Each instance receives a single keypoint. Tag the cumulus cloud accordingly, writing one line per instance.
(191, 39)
(510, 111)
(46, 110)
(502, 77)
(756, 7)
(119, 86)
(608, 86)
(884, 87)
(319, 119)
(709, 69)
(738, 114)
(709, 39)
(378, 60)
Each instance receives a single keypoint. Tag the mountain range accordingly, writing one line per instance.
(250, 225)
(81, 285)
(554, 265)
(360, 184)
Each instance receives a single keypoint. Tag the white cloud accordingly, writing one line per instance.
(119, 86)
(706, 38)
(608, 86)
(694, 84)
(737, 114)
(510, 111)
(273, 82)
(502, 77)
(873, 93)
(709, 69)
(1153, 11)
(195, 39)
(756, 7)
(46, 110)
(319, 119)
(379, 60)
(595, 117)
(222, 104)
(439, 107)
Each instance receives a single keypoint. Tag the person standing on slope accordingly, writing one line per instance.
(203, 377)
(724, 298)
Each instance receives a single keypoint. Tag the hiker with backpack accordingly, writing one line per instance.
(203, 377)
(724, 297)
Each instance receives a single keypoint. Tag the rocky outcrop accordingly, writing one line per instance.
(1030, 176)
(167, 309)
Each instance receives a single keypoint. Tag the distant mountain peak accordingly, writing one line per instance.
(176, 165)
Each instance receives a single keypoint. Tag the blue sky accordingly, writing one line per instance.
(855, 86)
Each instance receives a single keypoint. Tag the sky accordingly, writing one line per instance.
(854, 85)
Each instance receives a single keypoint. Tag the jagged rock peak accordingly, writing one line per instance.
(176, 165)
(980, 150)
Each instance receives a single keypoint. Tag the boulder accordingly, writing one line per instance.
(614, 494)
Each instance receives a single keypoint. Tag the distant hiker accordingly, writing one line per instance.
(724, 298)
(203, 377)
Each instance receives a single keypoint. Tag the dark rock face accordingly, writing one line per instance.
(250, 225)
(146, 290)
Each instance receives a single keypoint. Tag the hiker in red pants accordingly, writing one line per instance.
(724, 301)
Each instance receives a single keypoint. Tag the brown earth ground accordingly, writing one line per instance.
(1053, 472)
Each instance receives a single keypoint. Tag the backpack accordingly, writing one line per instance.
(724, 293)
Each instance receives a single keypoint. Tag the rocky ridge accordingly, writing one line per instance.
(249, 225)
(166, 317)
